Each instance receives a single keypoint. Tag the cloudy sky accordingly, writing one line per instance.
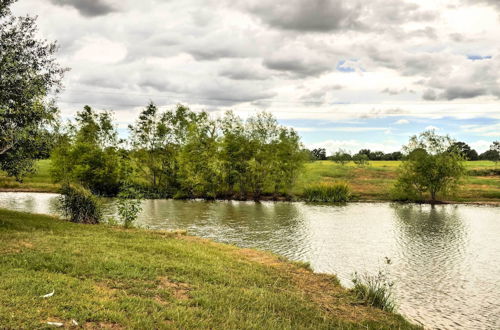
(347, 74)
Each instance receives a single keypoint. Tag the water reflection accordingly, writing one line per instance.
(272, 226)
(446, 259)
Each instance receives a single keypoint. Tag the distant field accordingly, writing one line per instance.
(371, 182)
(374, 181)
(40, 181)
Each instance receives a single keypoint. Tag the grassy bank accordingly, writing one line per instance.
(371, 182)
(115, 278)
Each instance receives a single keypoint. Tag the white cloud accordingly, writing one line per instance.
(354, 146)
(339, 129)
(390, 57)
(483, 130)
(480, 146)
(402, 122)
(432, 128)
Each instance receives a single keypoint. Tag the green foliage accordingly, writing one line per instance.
(80, 205)
(464, 150)
(360, 159)
(28, 74)
(88, 153)
(429, 168)
(129, 206)
(327, 193)
(341, 157)
(186, 154)
(375, 290)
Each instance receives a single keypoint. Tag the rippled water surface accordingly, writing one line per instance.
(445, 260)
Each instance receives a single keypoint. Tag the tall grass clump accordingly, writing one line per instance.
(78, 204)
(375, 290)
(327, 193)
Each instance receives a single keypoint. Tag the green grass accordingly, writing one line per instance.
(327, 193)
(106, 277)
(371, 182)
(375, 180)
(40, 181)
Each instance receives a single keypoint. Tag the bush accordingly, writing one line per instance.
(375, 290)
(360, 159)
(327, 193)
(129, 206)
(78, 204)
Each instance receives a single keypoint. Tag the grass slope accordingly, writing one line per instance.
(106, 277)
(371, 182)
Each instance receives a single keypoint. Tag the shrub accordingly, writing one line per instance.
(327, 193)
(78, 204)
(129, 206)
(375, 290)
(360, 159)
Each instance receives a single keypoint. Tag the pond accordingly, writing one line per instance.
(445, 260)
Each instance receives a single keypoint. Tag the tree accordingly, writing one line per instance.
(376, 155)
(397, 155)
(495, 151)
(234, 153)
(360, 159)
(429, 167)
(29, 72)
(319, 153)
(341, 157)
(88, 153)
(464, 149)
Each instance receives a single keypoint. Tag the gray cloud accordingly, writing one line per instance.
(88, 8)
(319, 96)
(315, 15)
(429, 95)
(462, 92)
(397, 91)
(299, 66)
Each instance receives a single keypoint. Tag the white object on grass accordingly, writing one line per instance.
(55, 324)
(48, 295)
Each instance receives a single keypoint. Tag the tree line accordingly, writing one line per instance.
(342, 156)
(179, 153)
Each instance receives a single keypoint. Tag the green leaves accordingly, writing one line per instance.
(431, 166)
(28, 73)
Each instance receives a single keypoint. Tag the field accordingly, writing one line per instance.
(107, 277)
(371, 182)
(375, 180)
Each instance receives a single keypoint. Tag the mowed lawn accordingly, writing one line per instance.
(371, 182)
(107, 277)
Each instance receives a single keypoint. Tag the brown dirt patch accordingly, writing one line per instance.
(102, 325)
(178, 289)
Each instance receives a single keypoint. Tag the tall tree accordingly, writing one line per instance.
(464, 149)
(29, 72)
(88, 153)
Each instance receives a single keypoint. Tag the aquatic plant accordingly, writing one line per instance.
(78, 204)
(327, 193)
(375, 290)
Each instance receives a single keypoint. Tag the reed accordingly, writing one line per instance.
(327, 193)
(375, 290)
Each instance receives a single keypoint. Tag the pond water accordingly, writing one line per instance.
(445, 260)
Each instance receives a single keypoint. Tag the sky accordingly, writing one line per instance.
(345, 74)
